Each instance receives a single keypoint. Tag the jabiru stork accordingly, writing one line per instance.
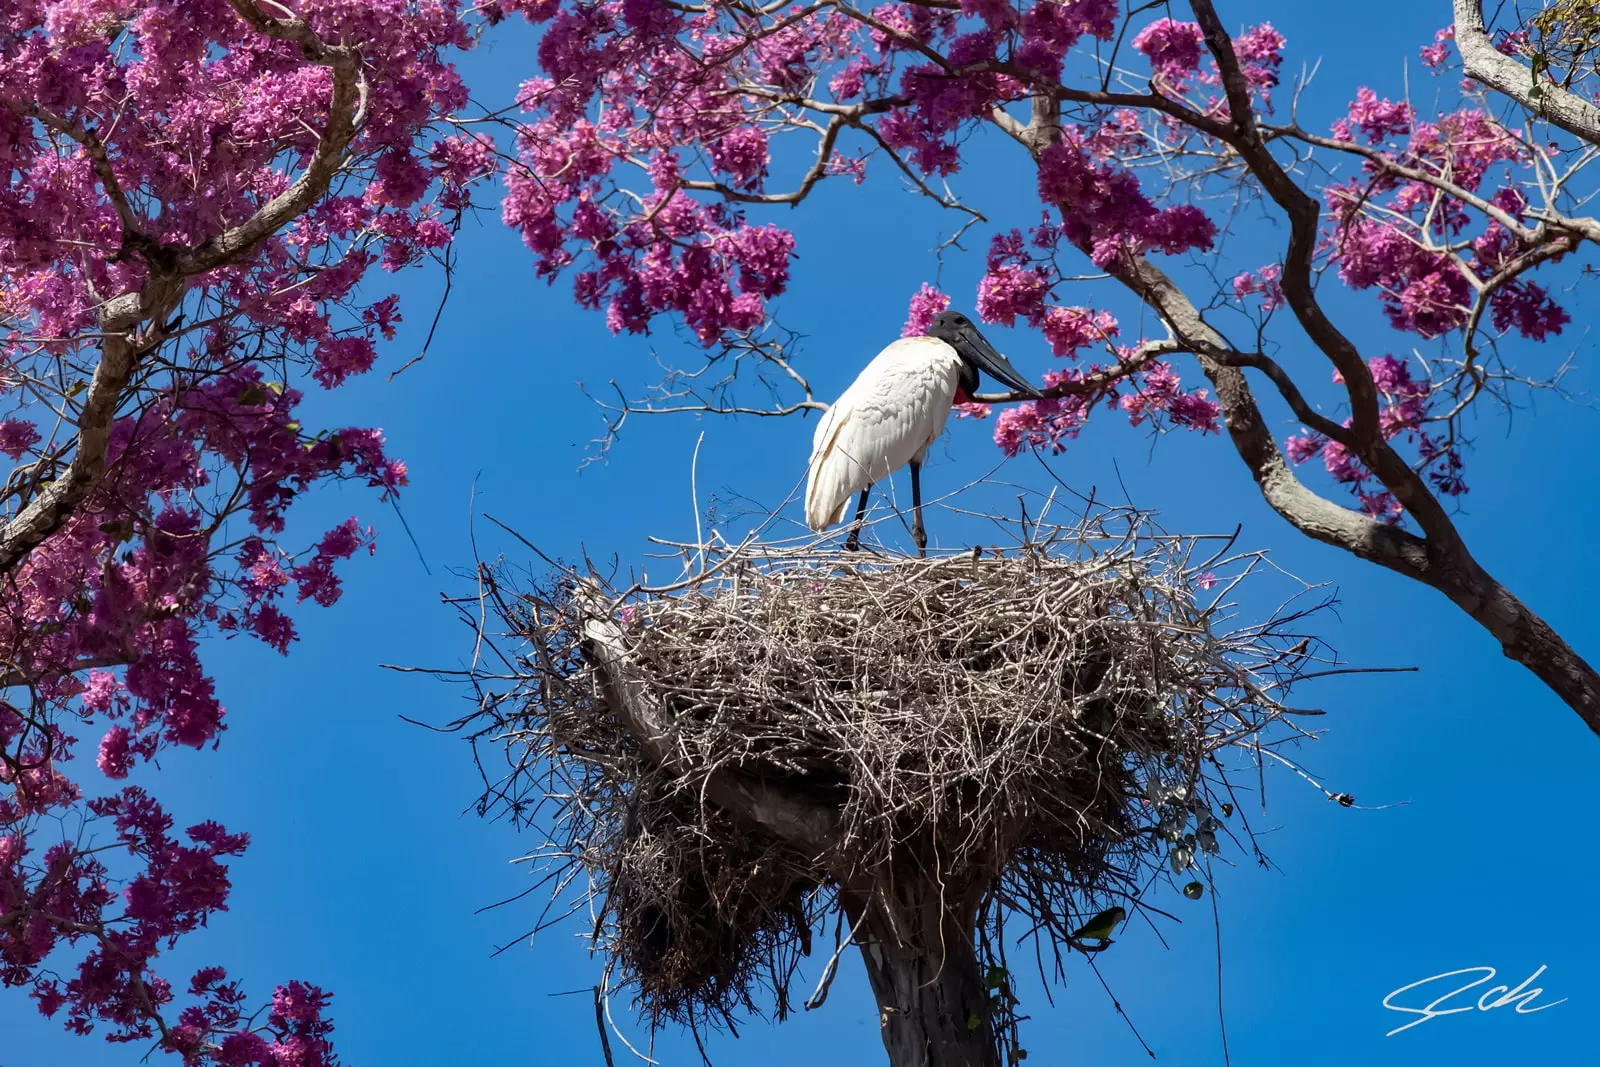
(892, 412)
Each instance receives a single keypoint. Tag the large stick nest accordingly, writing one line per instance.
(1039, 731)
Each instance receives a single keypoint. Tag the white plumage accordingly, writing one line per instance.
(888, 417)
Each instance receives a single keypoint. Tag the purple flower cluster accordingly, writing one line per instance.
(1422, 287)
(1406, 406)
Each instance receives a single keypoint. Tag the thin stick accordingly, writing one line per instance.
(694, 494)
(600, 1025)
(1216, 922)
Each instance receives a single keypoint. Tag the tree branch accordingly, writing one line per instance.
(346, 113)
(818, 170)
(1383, 161)
(1299, 293)
(1502, 73)
(1286, 389)
(1309, 513)
(133, 234)
(119, 355)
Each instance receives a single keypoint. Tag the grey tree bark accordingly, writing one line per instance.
(1507, 75)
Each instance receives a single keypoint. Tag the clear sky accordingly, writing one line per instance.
(367, 867)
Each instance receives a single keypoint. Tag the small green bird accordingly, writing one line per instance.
(1101, 925)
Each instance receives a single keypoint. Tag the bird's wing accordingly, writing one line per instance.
(894, 408)
(824, 428)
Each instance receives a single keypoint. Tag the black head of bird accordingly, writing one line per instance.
(963, 335)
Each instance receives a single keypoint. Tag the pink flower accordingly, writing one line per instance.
(742, 153)
(17, 436)
(1070, 330)
(1008, 292)
(1435, 55)
(1260, 53)
(927, 303)
(1172, 47)
(1378, 120)
(1160, 393)
(115, 752)
(1264, 283)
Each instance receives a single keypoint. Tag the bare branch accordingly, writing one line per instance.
(818, 170)
(1286, 388)
(1389, 165)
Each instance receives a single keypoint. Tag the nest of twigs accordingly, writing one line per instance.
(1040, 729)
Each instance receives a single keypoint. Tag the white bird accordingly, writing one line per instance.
(892, 412)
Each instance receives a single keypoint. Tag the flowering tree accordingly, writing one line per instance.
(193, 191)
(644, 161)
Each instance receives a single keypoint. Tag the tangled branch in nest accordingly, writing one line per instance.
(1031, 733)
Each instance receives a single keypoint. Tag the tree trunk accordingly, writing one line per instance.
(933, 1007)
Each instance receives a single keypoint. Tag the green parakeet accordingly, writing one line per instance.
(1101, 925)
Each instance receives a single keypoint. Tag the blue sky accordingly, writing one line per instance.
(368, 869)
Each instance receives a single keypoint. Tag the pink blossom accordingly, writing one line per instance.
(17, 436)
(1159, 393)
(742, 153)
(316, 578)
(1173, 48)
(1435, 54)
(1069, 330)
(1260, 53)
(1378, 120)
(1050, 30)
(115, 752)
(1008, 292)
(1264, 283)
(1528, 308)
(100, 691)
(1104, 212)
(927, 303)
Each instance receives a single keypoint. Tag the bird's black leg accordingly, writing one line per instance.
(918, 534)
(853, 542)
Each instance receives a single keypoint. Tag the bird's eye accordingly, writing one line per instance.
(961, 320)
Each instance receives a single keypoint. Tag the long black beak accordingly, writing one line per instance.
(982, 354)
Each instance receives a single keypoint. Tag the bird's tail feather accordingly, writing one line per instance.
(827, 481)
(825, 503)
